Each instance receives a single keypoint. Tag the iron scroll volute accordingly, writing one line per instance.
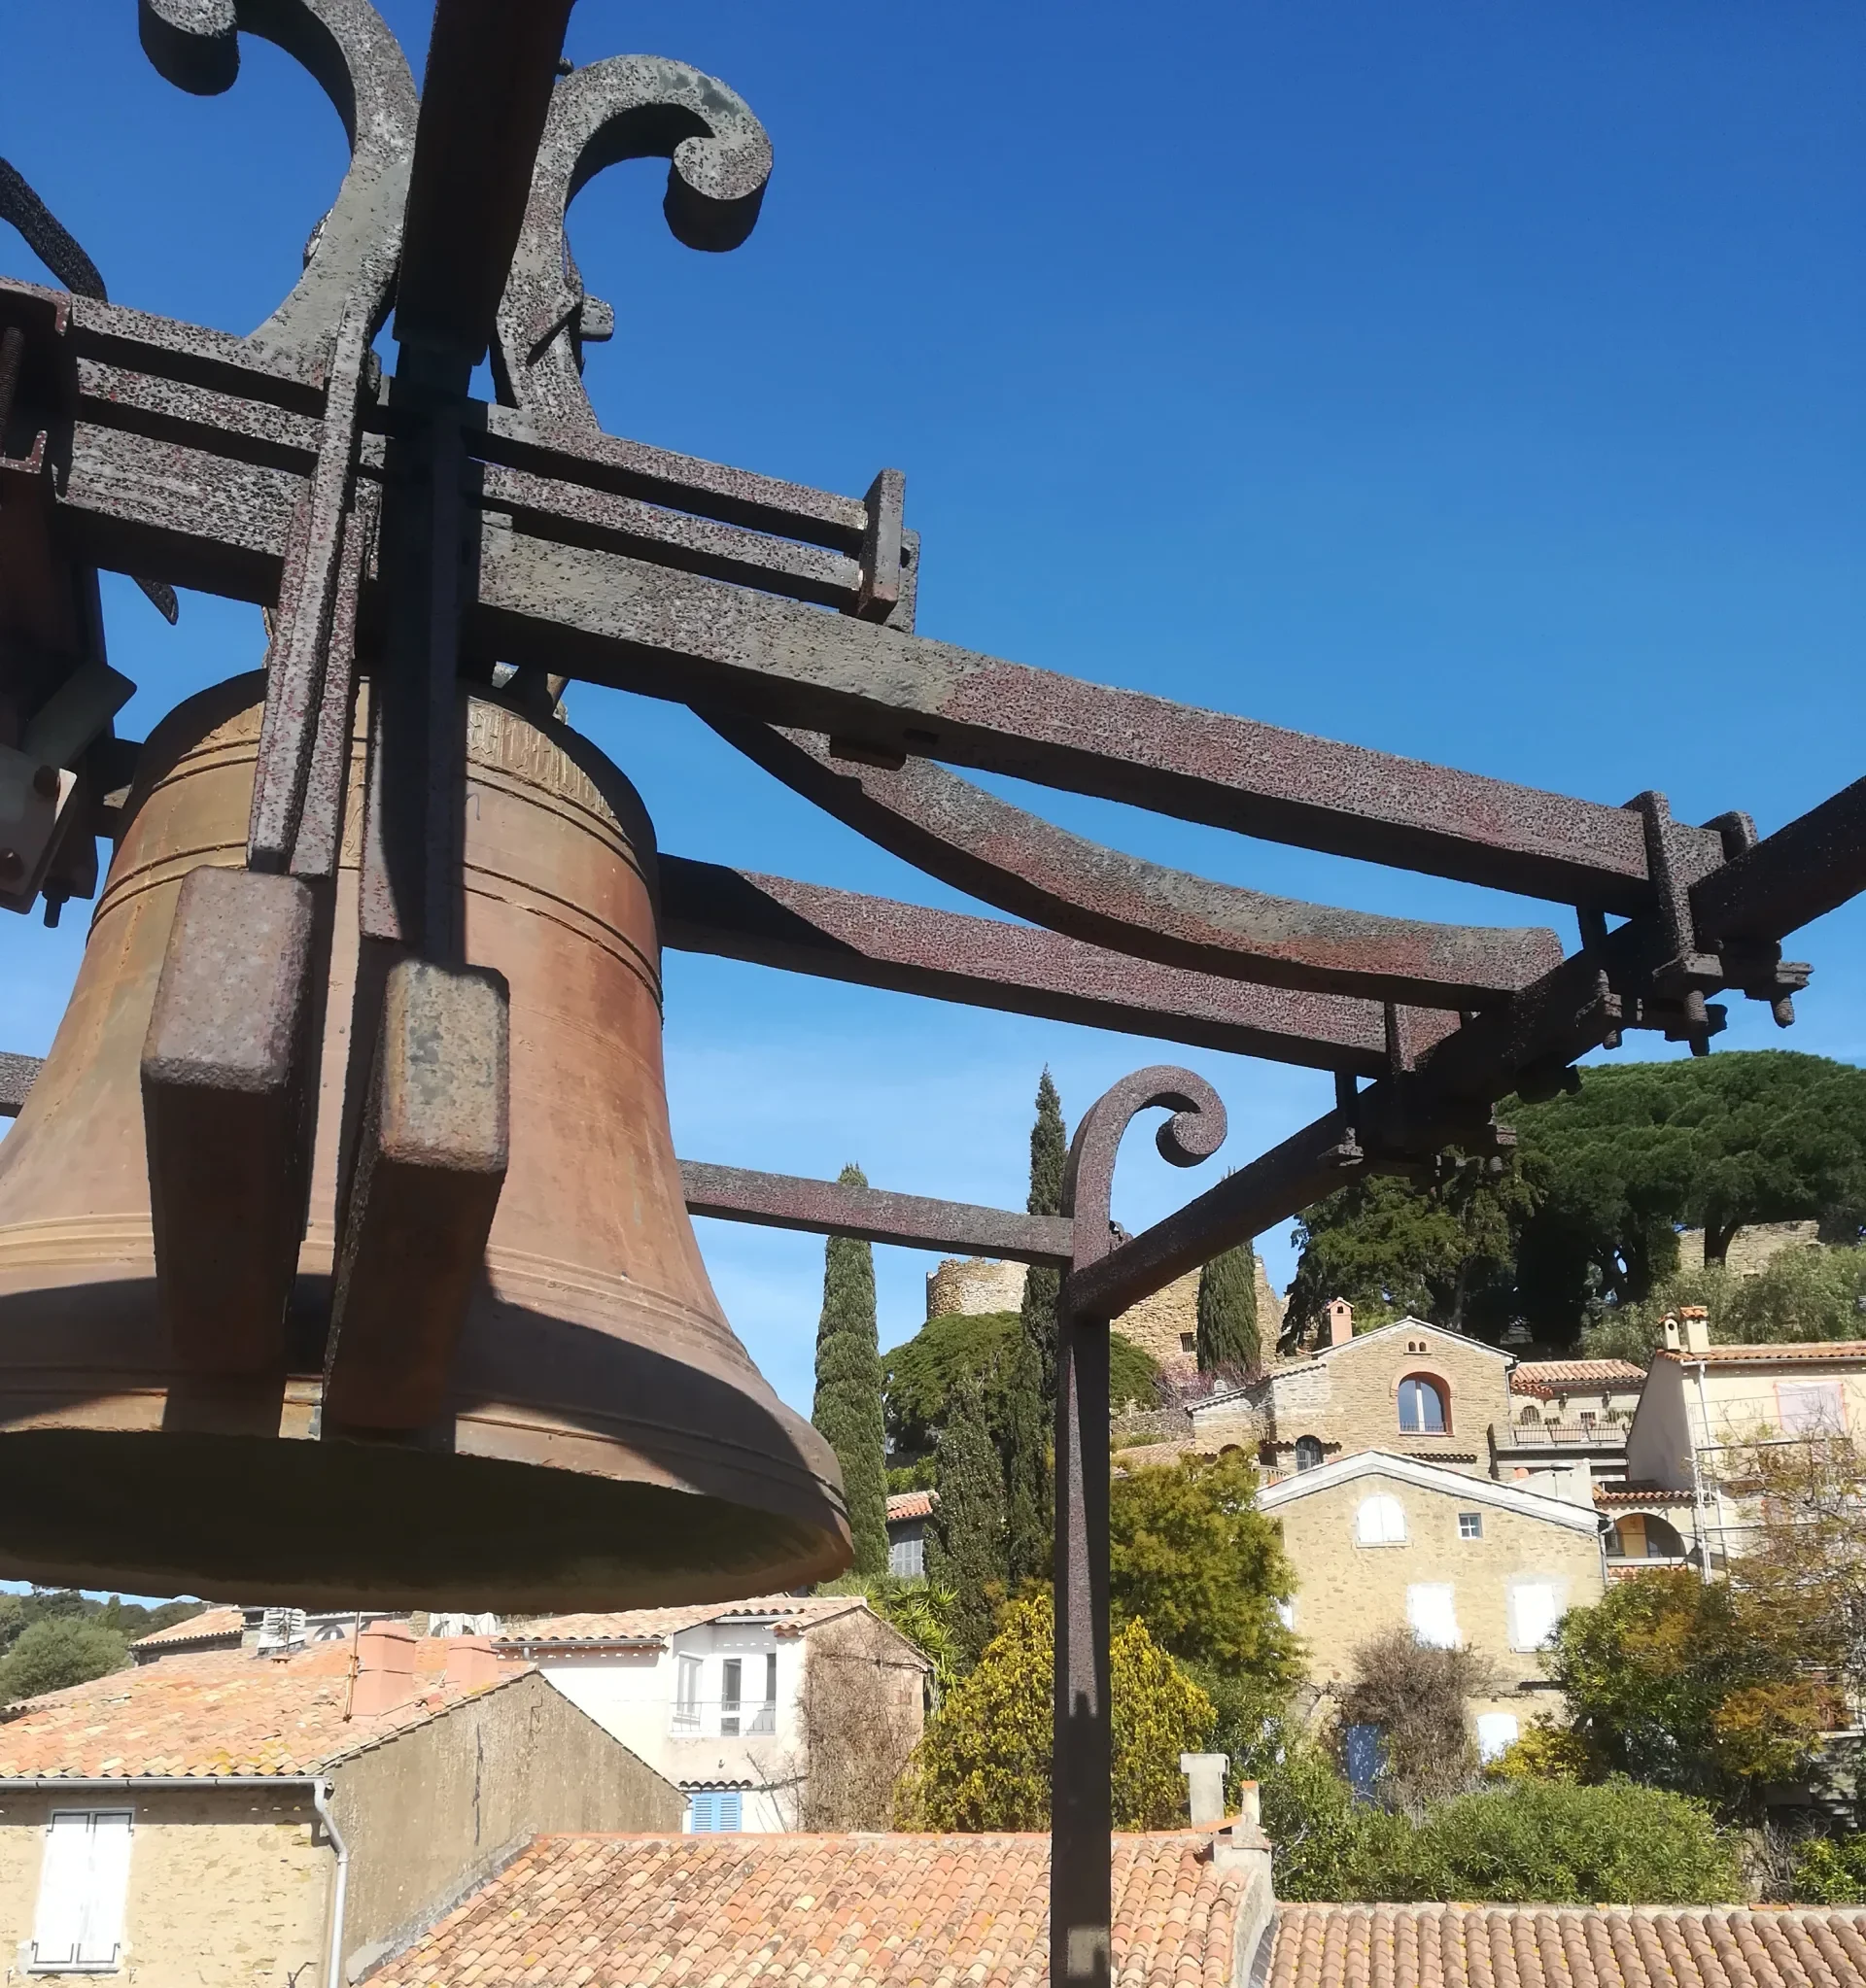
(628, 107)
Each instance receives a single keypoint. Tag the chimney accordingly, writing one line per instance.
(1669, 1332)
(1696, 1320)
(1340, 1317)
(1206, 1785)
(471, 1662)
(1241, 1848)
(385, 1669)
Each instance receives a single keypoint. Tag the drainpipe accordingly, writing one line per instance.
(333, 1961)
(1697, 1481)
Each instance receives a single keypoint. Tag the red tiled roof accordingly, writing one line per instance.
(223, 1712)
(1529, 1946)
(887, 1910)
(654, 1626)
(1539, 1377)
(1640, 1495)
(1838, 1351)
(211, 1621)
(913, 1504)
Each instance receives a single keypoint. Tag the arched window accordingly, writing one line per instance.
(1531, 1414)
(1308, 1452)
(1422, 1407)
(1381, 1521)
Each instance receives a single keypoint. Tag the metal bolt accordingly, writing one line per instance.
(45, 782)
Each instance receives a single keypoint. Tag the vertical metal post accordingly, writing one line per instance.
(1081, 1807)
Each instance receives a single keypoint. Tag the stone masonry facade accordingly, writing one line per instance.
(1349, 1591)
(1346, 1397)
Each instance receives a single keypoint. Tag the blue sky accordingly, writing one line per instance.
(1478, 381)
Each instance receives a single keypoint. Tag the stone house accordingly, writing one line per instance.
(909, 1515)
(223, 1820)
(1409, 1387)
(1383, 1541)
(737, 1702)
(1568, 1411)
(1702, 1403)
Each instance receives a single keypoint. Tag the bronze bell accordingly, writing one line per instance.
(604, 1439)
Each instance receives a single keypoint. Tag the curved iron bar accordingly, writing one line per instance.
(1007, 857)
(1081, 1805)
(349, 50)
(627, 107)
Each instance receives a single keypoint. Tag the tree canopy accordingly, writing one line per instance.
(1585, 1218)
(58, 1651)
(1192, 1556)
(1028, 1400)
(1226, 1340)
(848, 1409)
(985, 1762)
(965, 1542)
(919, 1376)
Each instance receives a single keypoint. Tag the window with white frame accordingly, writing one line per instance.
(1380, 1520)
(1432, 1615)
(765, 1718)
(1471, 1526)
(1535, 1608)
(713, 1810)
(1422, 1407)
(906, 1558)
(1497, 1733)
(686, 1695)
(78, 1927)
(731, 1689)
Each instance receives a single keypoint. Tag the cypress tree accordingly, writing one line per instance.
(1030, 1395)
(848, 1409)
(1227, 1338)
(965, 1548)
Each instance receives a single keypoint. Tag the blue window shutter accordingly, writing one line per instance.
(728, 1809)
(702, 1812)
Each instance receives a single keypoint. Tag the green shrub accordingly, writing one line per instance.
(56, 1651)
(1554, 1843)
(1832, 1871)
(1325, 1844)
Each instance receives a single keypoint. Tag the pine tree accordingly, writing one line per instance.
(965, 1548)
(848, 1409)
(1030, 1393)
(1227, 1336)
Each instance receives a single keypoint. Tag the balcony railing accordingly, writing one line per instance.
(722, 1718)
(1557, 1436)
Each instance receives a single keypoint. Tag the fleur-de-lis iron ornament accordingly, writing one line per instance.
(400, 533)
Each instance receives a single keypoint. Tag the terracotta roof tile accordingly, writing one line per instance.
(212, 1622)
(911, 1504)
(223, 1712)
(1534, 1377)
(1640, 1495)
(1837, 1351)
(656, 1624)
(1567, 1946)
(887, 1910)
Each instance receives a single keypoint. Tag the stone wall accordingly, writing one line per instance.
(1347, 1592)
(229, 1887)
(437, 1811)
(1751, 1247)
(973, 1286)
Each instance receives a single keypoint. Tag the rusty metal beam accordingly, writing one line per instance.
(613, 619)
(1024, 865)
(827, 1208)
(1807, 868)
(834, 935)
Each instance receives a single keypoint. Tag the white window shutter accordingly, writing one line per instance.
(82, 1880)
(1380, 1520)
(1496, 1733)
(65, 1878)
(1534, 1611)
(1432, 1615)
(103, 1934)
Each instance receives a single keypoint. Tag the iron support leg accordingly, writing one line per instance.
(1082, 1811)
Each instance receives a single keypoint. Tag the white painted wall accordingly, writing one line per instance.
(630, 1694)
